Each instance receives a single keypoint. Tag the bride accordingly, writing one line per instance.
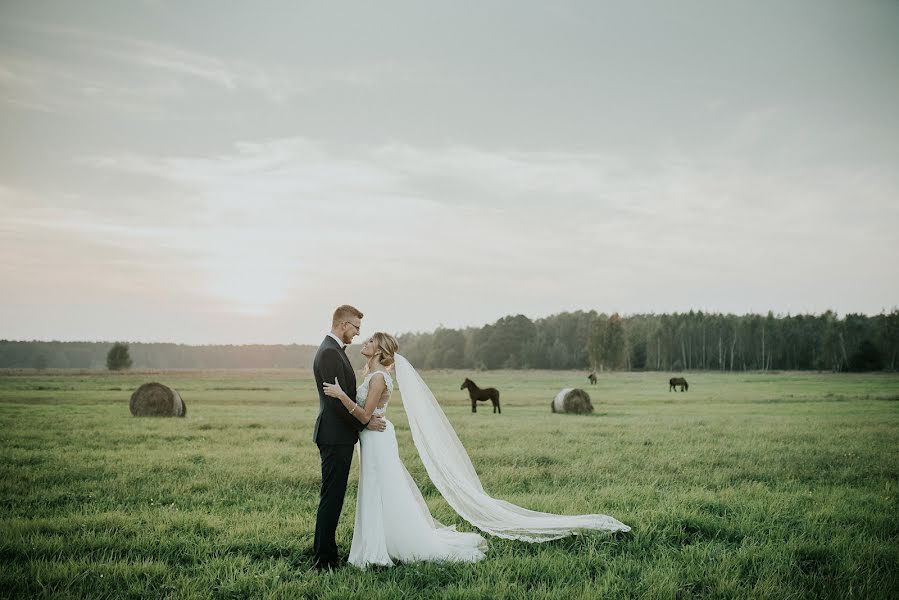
(392, 519)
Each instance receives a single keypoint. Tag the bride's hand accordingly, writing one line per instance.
(333, 389)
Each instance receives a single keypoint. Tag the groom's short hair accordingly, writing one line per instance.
(344, 312)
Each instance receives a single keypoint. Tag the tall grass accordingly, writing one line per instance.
(747, 486)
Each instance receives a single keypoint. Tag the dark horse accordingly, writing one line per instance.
(678, 381)
(477, 394)
(592, 377)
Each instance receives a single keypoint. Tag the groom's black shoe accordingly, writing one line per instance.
(323, 567)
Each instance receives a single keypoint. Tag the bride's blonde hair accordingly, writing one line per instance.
(386, 345)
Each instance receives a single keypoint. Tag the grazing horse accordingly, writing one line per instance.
(678, 381)
(592, 377)
(477, 394)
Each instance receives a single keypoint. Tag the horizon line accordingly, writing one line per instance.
(778, 315)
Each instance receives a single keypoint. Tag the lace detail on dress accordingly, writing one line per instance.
(362, 392)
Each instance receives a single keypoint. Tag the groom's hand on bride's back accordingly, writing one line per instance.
(377, 424)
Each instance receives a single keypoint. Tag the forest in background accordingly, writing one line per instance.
(694, 340)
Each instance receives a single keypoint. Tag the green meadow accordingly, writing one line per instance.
(758, 485)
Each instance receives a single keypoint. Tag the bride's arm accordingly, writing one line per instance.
(376, 389)
(332, 369)
(335, 391)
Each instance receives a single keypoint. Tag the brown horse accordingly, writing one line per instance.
(592, 377)
(678, 381)
(478, 395)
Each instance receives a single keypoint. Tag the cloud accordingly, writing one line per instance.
(277, 224)
(81, 68)
(581, 194)
(53, 86)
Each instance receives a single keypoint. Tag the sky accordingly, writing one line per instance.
(200, 172)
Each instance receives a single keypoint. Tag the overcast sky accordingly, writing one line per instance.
(203, 172)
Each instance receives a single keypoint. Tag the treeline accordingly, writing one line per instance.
(694, 340)
(92, 355)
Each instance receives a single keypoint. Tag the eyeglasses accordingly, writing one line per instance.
(353, 324)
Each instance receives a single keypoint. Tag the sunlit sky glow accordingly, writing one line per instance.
(198, 173)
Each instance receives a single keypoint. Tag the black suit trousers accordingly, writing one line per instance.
(336, 460)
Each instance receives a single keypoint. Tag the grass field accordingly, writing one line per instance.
(747, 486)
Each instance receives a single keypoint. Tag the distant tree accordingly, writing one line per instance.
(447, 349)
(558, 355)
(597, 343)
(505, 341)
(866, 358)
(638, 355)
(607, 343)
(118, 357)
(832, 346)
(40, 361)
(614, 351)
(890, 337)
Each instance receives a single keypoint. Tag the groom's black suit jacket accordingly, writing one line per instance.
(334, 425)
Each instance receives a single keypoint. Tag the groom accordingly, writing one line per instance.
(336, 430)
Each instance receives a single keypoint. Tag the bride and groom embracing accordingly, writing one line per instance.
(393, 522)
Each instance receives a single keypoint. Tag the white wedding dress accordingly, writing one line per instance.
(392, 520)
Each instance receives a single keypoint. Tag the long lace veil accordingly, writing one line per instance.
(454, 476)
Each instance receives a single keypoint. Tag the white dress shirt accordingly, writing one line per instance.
(339, 341)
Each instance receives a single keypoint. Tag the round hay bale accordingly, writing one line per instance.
(156, 400)
(572, 400)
